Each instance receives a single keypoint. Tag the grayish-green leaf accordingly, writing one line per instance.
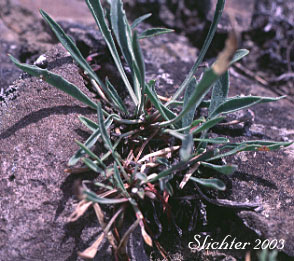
(88, 123)
(140, 20)
(91, 154)
(226, 169)
(218, 140)
(189, 116)
(71, 48)
(207, 125)
(154, 32)
(187, 147)
(197, 96)
(92, 165)
(239, 54)
(116, 99)
(120, 28)
(91, 196)
(139, 60)
(89, 143)
(164, 111)
(217, 15)
(239, 103)
(55, 80)
(98, 13)
(220, 91)
(102, 128)
(210, 183)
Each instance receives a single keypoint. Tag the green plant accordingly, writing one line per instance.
(266, 255)
(128, 174)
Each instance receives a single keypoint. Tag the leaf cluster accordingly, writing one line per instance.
(157, 131)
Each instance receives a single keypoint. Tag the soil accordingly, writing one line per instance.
(37, 122)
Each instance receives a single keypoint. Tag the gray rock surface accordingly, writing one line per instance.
(267, 178)
(37, 138)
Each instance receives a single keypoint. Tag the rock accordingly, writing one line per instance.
(267, 177)
(37, 138)
(8, 72)
(63, 10)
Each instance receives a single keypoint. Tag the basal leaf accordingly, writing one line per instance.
(71, 48)
(239, 54)
(189, 116)
(154, 32)
(91, 196)
(210, 183)
(139, 59)
(55, 80)
(92, 165)
(218, 140)
(88, 123)
(91, 154)
(89, 143)
(207, 125)
(220, 91)
(140, 20)
(217, 15)
(197, 96)
(239, 103)
(115, 97)
(164, 111)
(102, 128)
(99, 16)
(226, 169)
(187, 147)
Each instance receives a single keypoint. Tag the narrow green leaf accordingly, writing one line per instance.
(239, 54)
(210, 183)
(239, 103)
(116, 99)
(55, 80)
(257, 143)
(71, 48)
(98, 13)
(139, 59)
(119, 25)
(89, 143)
(217, 15)
(88, 123)
(175, 133)
(207, 125)
(99, 184)
(140, 20)
(91, 154)
(196, 122)
(92, 165)
(182, 165)
(118, 179)
(102, 128)
(107, 142)
(187, 147)
(197, 96)
(154, 32)
(228, 153)
(226, 169)
(218, 140)
(189, 116)
(91, 196)
(220, 92)
(164, 111)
